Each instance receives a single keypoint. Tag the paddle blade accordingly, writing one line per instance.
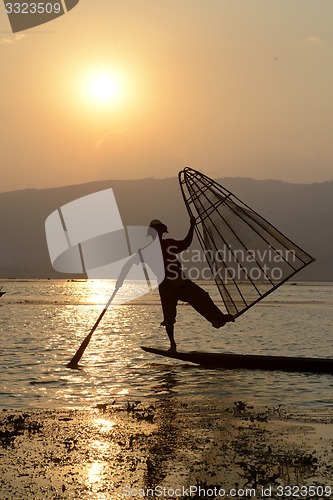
(73, 364)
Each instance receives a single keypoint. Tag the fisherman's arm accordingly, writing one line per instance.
(186, 242)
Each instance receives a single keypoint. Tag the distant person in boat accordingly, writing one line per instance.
(176, 286)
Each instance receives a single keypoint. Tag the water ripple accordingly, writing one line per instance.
(43, 323)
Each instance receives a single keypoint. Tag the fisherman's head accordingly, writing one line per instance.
(158, 226)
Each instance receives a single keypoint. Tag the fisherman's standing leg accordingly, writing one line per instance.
(170, 333)
(169, 306)
(201, 301)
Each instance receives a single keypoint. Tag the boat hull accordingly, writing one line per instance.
(249, 361)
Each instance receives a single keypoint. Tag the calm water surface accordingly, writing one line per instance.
(42, 323)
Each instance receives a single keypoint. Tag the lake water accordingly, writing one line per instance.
(42, 323)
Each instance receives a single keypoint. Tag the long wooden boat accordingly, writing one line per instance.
(249, 361)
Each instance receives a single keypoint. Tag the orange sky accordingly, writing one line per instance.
(231, 88)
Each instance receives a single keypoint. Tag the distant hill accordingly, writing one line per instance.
(304, 212)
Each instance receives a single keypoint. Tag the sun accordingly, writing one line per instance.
(103, 88)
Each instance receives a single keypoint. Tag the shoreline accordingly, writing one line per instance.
(117, 452)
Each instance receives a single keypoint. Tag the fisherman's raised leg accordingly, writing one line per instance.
(201, 301)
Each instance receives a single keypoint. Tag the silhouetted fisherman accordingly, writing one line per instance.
(176, 286)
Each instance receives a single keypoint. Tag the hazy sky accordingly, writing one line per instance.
(233, 88)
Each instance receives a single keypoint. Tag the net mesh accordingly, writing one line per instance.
(247, 256)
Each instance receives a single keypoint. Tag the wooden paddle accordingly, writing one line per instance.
(79, 353)
(135, 259)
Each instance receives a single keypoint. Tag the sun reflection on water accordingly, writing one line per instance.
(101, 447)
(99, 291)
(123, 392)
(95, 472)
(103, 424)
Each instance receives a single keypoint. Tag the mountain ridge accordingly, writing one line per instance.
(301, 211)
